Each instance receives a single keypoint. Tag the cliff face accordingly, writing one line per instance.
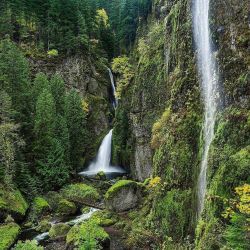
(164, 104)
(90, 77)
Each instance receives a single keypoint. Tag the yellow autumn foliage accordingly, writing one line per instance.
(154, 182)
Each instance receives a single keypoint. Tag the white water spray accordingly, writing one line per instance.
(103, 159)
(115, 102)
(209, 82)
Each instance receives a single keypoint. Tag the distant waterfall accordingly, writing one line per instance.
(115, 102)
(103, 159)
(209, 83)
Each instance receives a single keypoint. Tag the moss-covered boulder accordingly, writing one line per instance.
(43, 226)
(123, 195)
(59, 230)
(101, 176)
(39, 209)
(53, 199)
(27, 245)
(88, 235)
(8, 235)
(104, 218)
(81, 193)
(41, 206)
(13, 203)
(66, 207)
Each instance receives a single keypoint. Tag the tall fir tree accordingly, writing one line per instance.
(76, 122)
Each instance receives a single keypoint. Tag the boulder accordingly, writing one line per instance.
(88, 235)
(81, 193)
(59, 230)
(66, 207)
(12, 203)
(123, 195)
(8, 235)
(43, 226)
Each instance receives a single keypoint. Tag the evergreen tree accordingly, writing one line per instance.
(9, 140)
(58, 91)
(77, 127)
(53, 169)
(41, 82)
(44, 123)
(14, 78)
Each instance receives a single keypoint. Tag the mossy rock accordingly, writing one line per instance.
(85, 210)
(104, 218)
(8, 235)
(81, 193)
(66, 207)
(43, 226)
(53, 199)
(27, 245)
(41, 206)
(123, 195)
(101, 176)
(12, 202)
(59, 230)
(89, 235)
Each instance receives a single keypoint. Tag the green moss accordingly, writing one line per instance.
(59, 230)
(8, 235)
(66, 207)
(28, 245)
(117, 186)
(104, 218)
(209, 234)
(43, 226)
(81, 193)
(172, 213)
(40, 206)
(88, 235)
(12, 202)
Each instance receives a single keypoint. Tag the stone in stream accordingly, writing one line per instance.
(123, 195)
(59, 230)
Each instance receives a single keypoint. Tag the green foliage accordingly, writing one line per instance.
(53, 52)
(76, 123)
(27, 245)
(80, 193)
(122, 66)
(58, 91)
(8, 235)
(87, 235)
(40, 83)
(236, 233)
(172, 213)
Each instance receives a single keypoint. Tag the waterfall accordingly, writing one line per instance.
(103, 159)
(209, 83)
(115, 102)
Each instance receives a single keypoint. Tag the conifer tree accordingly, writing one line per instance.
(76, 122)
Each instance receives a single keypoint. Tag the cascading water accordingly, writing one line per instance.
(115, 102)
(103, 159)
(209, 82)
(102, 162)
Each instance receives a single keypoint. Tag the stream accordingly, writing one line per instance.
(42, 238)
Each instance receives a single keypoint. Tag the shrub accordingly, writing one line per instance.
(27, 245)
(53, 53)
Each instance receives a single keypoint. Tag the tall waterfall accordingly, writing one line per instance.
(103, 159)
(115, 102)
(209, 83)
